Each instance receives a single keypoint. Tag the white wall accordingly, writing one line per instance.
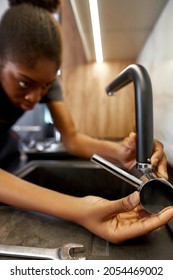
(157, 57)
(3, 6)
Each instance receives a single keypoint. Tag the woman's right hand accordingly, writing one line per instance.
(120, 220)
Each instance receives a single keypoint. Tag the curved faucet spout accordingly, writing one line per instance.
(143, 106)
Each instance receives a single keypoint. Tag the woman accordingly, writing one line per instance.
(30, 55)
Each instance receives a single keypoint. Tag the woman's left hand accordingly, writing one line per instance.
(128, 155)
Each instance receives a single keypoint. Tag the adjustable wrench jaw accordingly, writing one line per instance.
(65, 252)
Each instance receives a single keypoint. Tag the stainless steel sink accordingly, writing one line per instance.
(75, 177)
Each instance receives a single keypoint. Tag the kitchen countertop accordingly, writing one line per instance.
(26, 228)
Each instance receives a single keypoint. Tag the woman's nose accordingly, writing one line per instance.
(34, 96)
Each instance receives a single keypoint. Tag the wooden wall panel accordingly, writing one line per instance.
(94, 112)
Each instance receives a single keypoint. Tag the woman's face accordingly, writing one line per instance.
(26, 86)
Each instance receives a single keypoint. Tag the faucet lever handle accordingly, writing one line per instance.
(116, 171)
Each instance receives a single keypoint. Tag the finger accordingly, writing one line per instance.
(132, 136)
(159, 220)
(130, 141)
(158, 160)
(158, 153)
(124, 204)
(145, 226)
(162, 168)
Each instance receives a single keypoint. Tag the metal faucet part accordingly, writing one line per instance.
(143, 106)
(115, 170)
(61, 253)
(155, 193)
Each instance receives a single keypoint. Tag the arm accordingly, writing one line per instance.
(20, 193)
(78, 143)
(115, 221)
(122, 153)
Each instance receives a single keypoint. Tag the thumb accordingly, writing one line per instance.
(130, 141)
(132, 137)
(127, 203)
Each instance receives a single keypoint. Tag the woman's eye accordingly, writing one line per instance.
(23, 84)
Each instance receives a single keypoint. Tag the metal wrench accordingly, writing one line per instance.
(61, 253)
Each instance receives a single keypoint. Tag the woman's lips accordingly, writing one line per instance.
(26, 107)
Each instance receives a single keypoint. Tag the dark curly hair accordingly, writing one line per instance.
(50, 5)
(28, 33)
